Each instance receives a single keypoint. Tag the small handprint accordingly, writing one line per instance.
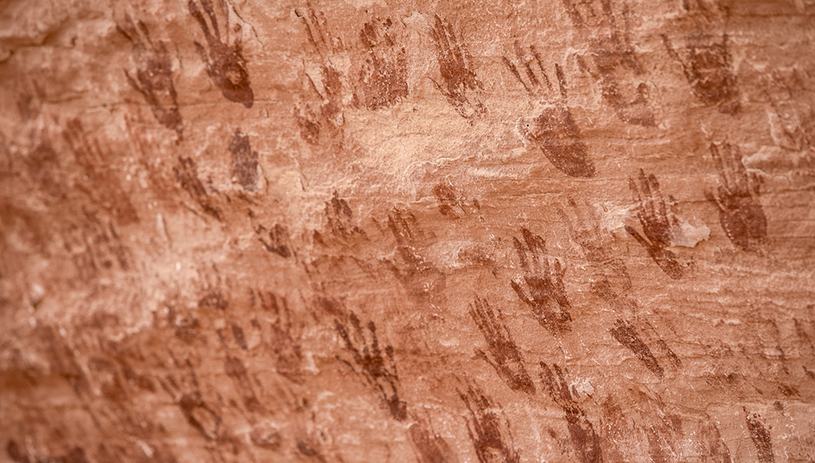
(659, 224)
(275, 240)
(225, 63)
(613, 58)
(154, 74)
(186, 172)
(583, 437)
(554, 130)
(504, 355)
(376, 366)
(626, 334)
(544, 290)
(740, 212)
(461, 86)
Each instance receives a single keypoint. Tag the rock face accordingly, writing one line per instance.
(368, 231)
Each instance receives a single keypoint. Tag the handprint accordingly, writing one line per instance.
(225, 63)
(583, 437)
(422, 280)
(740, 212)
(185, 391)
(503, 352)
(186, 172)
(461, 85)
(613, 58)
(101, 183)
(708, 71)
(379, 370)
(154, 74)
(544, 291)
(659, 224)
(554, 130)
(382, 78)
(488, 427)
(284, 341)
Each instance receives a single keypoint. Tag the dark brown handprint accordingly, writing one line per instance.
(544, 290)
(613, 58)
(341, 223)
(382, 78)
(224, 62)
(154, 74)
(554, 130)
(488, 427)
(504, 355)
(740, 212)
(761, 438)
(585, 440)
(708, 69)
(244, 161)
(376, 366)
(460, 85)
(659, 224)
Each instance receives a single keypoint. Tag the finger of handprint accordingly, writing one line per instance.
(538, 60)
(630, 230)
(519, 248)
(516, 285)
(660, 210)
(210, 11)
(514, 71)
(561, 81)
(532, 79)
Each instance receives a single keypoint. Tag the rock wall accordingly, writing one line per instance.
(373, 230)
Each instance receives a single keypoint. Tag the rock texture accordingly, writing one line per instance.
(375, 230)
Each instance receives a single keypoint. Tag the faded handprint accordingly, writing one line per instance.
(421, 279)
(376, 366)
(740, 212)
(186, 172)
(585, 440)
(461, 86)
(554, 130)
(382, 78)
(237, 371)
(708, 71)
(275, 240)
(504, 355)
(488, 427)
(326, 81)
(101, 185)
(613, 58)
(626, 334)
(284, 342)
(185, 391)
(224, 62)
(544, 290)
(154, 74)
(659, 224)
